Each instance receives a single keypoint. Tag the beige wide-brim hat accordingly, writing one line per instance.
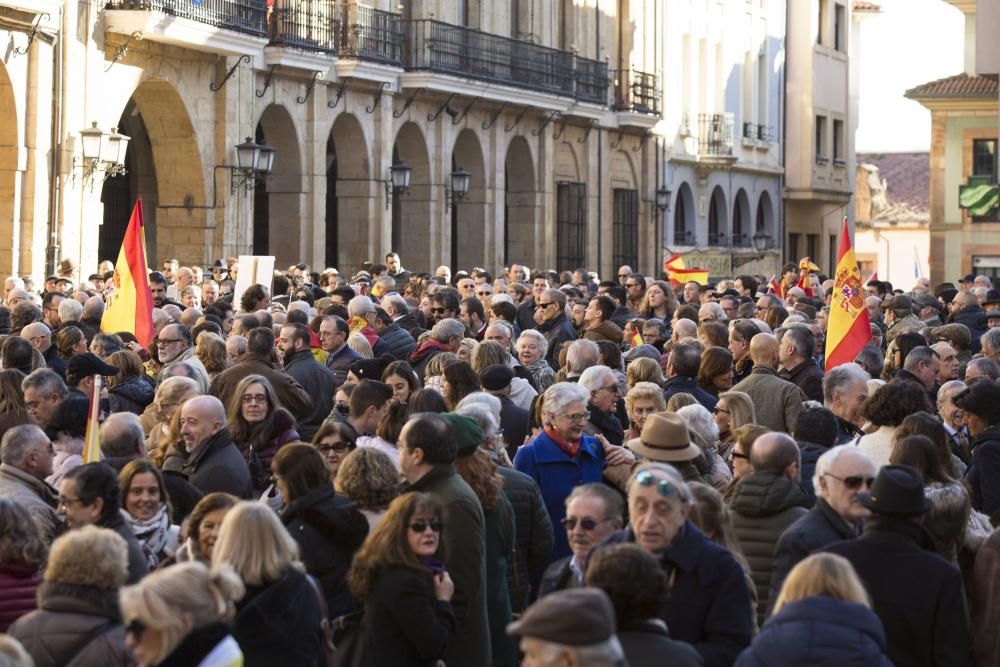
(665, 438)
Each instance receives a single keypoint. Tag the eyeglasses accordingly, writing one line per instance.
(420, 526)
(853, 482)
(664, 486)
(716, 410)
(254, 398)
(484, 293)
(136, 628)
(169, 341)
(631, 284)
(588, 524)
(439, 311)
(738, 455)
(611, 388)
(580, 417)
(65, 503)
(336, 447)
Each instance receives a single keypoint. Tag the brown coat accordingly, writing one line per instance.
(604, 331)
(984, 603)
(293, 397)
(777, 402)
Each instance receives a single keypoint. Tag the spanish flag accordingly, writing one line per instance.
(91, 439)
(679, 274)
(848, 329)
(130, 306)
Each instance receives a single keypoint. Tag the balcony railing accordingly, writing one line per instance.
(248, 17)
(717, 239)
(635, 91)
(763, 133)
(683, 237)
(749, 131)
(349, 30)
(741, 240)
(467, 52)
(715, 134)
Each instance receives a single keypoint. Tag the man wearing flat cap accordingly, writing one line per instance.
(571, 627)
(915, 592)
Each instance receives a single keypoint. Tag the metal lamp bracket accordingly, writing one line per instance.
(465, 112)
(517, 121)
(216, 87)
(378, 97)
(309, 87)
(267, 81)
(406, 105)
(492, 121)
(431, 117)
(21, 50)
(340, 94)
(618, 140)
(541, 128)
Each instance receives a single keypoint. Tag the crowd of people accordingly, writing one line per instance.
(538, 468)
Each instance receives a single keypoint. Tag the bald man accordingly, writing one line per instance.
(949, 362)
(40, 337)
(777, 402)
(214, 462)
(682, 329)
(965, 309)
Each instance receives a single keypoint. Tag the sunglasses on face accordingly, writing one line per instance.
(421, 526)
(438, 310)
(663, 486)
(853, 482)
(717, 410)
(136, 628)
(569, 523)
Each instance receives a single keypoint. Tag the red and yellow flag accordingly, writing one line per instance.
(130, 306)
(848, 329)
(679, 274)
(91, 439)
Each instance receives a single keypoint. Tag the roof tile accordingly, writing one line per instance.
(960, 85)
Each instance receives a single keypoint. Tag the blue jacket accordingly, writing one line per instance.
(709, 604)
(819, 632)
(556, 474)
(686, 385)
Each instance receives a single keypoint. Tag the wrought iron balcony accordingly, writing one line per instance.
(715, 134)
(741, 240)
(248, 17)
(749, 131)
(683, 237)
(763, 133)
(717, 239)
(349, 30)
(467, 52)
(635, 91)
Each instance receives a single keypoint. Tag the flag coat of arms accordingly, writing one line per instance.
(848, 329)
(130, 306)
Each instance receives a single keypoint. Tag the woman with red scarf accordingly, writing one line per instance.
(562, 457)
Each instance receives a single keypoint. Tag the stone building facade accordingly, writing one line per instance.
(549, 106)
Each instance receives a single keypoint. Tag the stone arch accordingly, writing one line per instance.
(765, 216)
(468, 215)
(684, 216)
(742, 231)
(164, 142)
(411, 212)
(520, 207)
(718, 218)
(567, 164)
(349, 191)
(278, 198)
(8, 172)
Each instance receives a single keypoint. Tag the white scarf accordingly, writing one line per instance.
(151, 533)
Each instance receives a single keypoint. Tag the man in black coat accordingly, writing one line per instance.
(795, 354)
(214, 462)
(550, 313)
(815, 431)
(916, 593)
(318, 380)
(840, 475)
(496, 380)
(965, 309)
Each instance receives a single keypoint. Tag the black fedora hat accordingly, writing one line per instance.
(897, 491)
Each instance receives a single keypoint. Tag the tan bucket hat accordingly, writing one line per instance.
(665, 438)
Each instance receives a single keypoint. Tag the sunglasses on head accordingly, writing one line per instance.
(664, 486)
(853, 482)
(136, 628)
(421, 526)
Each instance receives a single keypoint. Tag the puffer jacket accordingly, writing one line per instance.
(328, 529)
(820, 632)
(278, 623)
(132, 395)
(67, 613)
(399, 342)
(533, 536)
(763, 505)
(949, 515)
(18, 587)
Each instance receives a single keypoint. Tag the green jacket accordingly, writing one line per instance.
(465, 547)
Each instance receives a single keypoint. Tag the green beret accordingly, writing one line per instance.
(468, 435)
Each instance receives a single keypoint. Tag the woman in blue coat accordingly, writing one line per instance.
(822, 618)
(562, 457)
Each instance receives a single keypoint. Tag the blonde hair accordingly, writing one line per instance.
(165, 599)
(644, 369)
(174, 390)
(741, 410)
(360, 344)
(254, 542)
(89, 556)
(823, 574)
(469, 344)
(647, 391)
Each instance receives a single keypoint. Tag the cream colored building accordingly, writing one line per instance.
(964, 131)
(723, 133)
(547, 105)
(819, 135)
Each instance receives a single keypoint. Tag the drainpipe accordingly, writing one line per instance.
(55, 165)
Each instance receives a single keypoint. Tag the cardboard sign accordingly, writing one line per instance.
(252, 270)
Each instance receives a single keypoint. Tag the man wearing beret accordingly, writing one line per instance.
(428, 446)
(915, 592)
(571, 627)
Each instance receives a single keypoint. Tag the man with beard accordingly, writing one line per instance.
(314, 377)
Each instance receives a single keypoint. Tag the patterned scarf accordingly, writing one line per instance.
(151, 533)
(571, 448)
